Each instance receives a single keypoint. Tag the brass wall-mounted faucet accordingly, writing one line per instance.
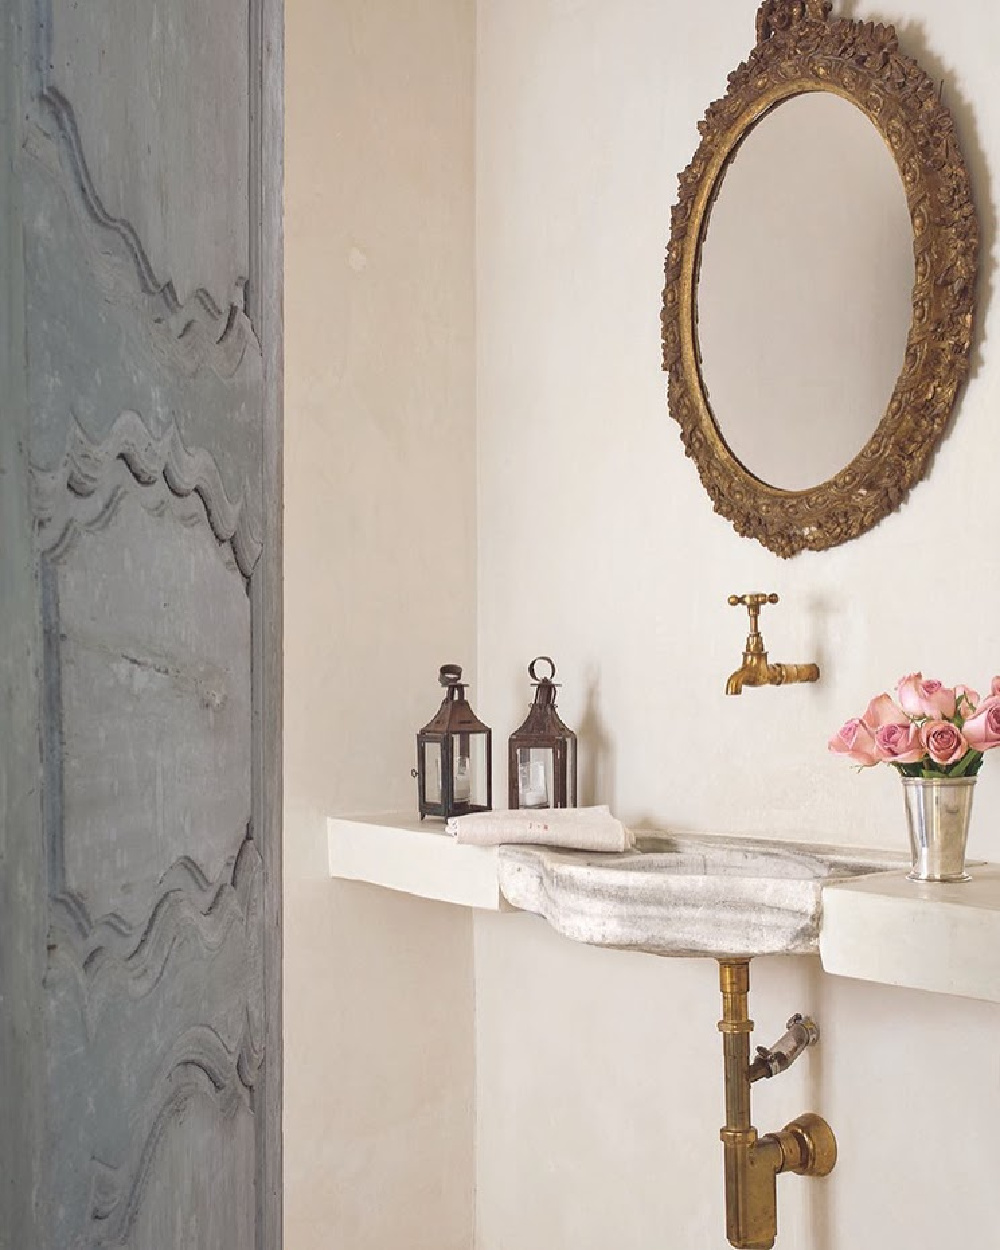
(806, 1145)
(755, 670)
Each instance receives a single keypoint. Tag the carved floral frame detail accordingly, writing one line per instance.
(801, 49)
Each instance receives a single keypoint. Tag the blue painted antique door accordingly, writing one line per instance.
(140, 353)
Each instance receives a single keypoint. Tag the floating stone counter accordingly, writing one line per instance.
(708, 896)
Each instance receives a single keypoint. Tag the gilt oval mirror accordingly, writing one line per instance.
(802, 316)
(817, 314)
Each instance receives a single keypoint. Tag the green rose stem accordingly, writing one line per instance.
(967, 766)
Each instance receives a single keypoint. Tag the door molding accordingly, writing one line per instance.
(265, 302)
(85, 489)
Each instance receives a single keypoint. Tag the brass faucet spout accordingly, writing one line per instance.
(787, 674)
(755, 670)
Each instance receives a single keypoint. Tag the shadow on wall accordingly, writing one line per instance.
(596, 761)
(913, 42)
(820, 608)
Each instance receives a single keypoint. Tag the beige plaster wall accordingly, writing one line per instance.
(379, 592)
(599, 1074)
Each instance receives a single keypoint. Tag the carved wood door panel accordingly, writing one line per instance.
(140, 350)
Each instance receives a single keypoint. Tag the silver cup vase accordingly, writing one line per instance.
(937, 815)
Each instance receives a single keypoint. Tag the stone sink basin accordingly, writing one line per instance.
(688, 895)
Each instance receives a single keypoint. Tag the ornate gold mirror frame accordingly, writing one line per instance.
(801, 49)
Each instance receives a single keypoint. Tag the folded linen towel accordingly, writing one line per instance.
(578, 828)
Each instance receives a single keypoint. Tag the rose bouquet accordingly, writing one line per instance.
(933, 730)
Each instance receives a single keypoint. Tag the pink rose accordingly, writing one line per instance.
(925, 698)
(966, 700)
(855, 740)
(982, 731)
(882, 711)
(995, 686)
(945, 744)
(900, 743)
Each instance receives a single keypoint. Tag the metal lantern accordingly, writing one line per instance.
(454, 750)
(541, 766)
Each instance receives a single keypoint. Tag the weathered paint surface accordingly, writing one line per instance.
(139, 927)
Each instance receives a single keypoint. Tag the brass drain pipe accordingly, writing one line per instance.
(806, 1145)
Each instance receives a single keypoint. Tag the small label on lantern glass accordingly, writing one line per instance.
(532, 784)
(463, 779)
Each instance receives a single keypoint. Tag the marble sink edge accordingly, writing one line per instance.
(634, 901)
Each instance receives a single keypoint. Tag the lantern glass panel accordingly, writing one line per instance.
(535, 774)
(432, 772)
(469, 771)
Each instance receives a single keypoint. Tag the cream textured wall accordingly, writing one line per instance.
(599, 1074)
(379, 592)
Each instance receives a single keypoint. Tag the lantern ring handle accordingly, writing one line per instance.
(537, 660)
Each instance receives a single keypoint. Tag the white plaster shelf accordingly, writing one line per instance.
(400, 852)
(944, 938)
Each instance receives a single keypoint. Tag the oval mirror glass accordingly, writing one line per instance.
(804, 294)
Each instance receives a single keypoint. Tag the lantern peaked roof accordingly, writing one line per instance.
(454, 715)
(542, 718)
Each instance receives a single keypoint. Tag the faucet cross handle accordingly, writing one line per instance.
(753, 604)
